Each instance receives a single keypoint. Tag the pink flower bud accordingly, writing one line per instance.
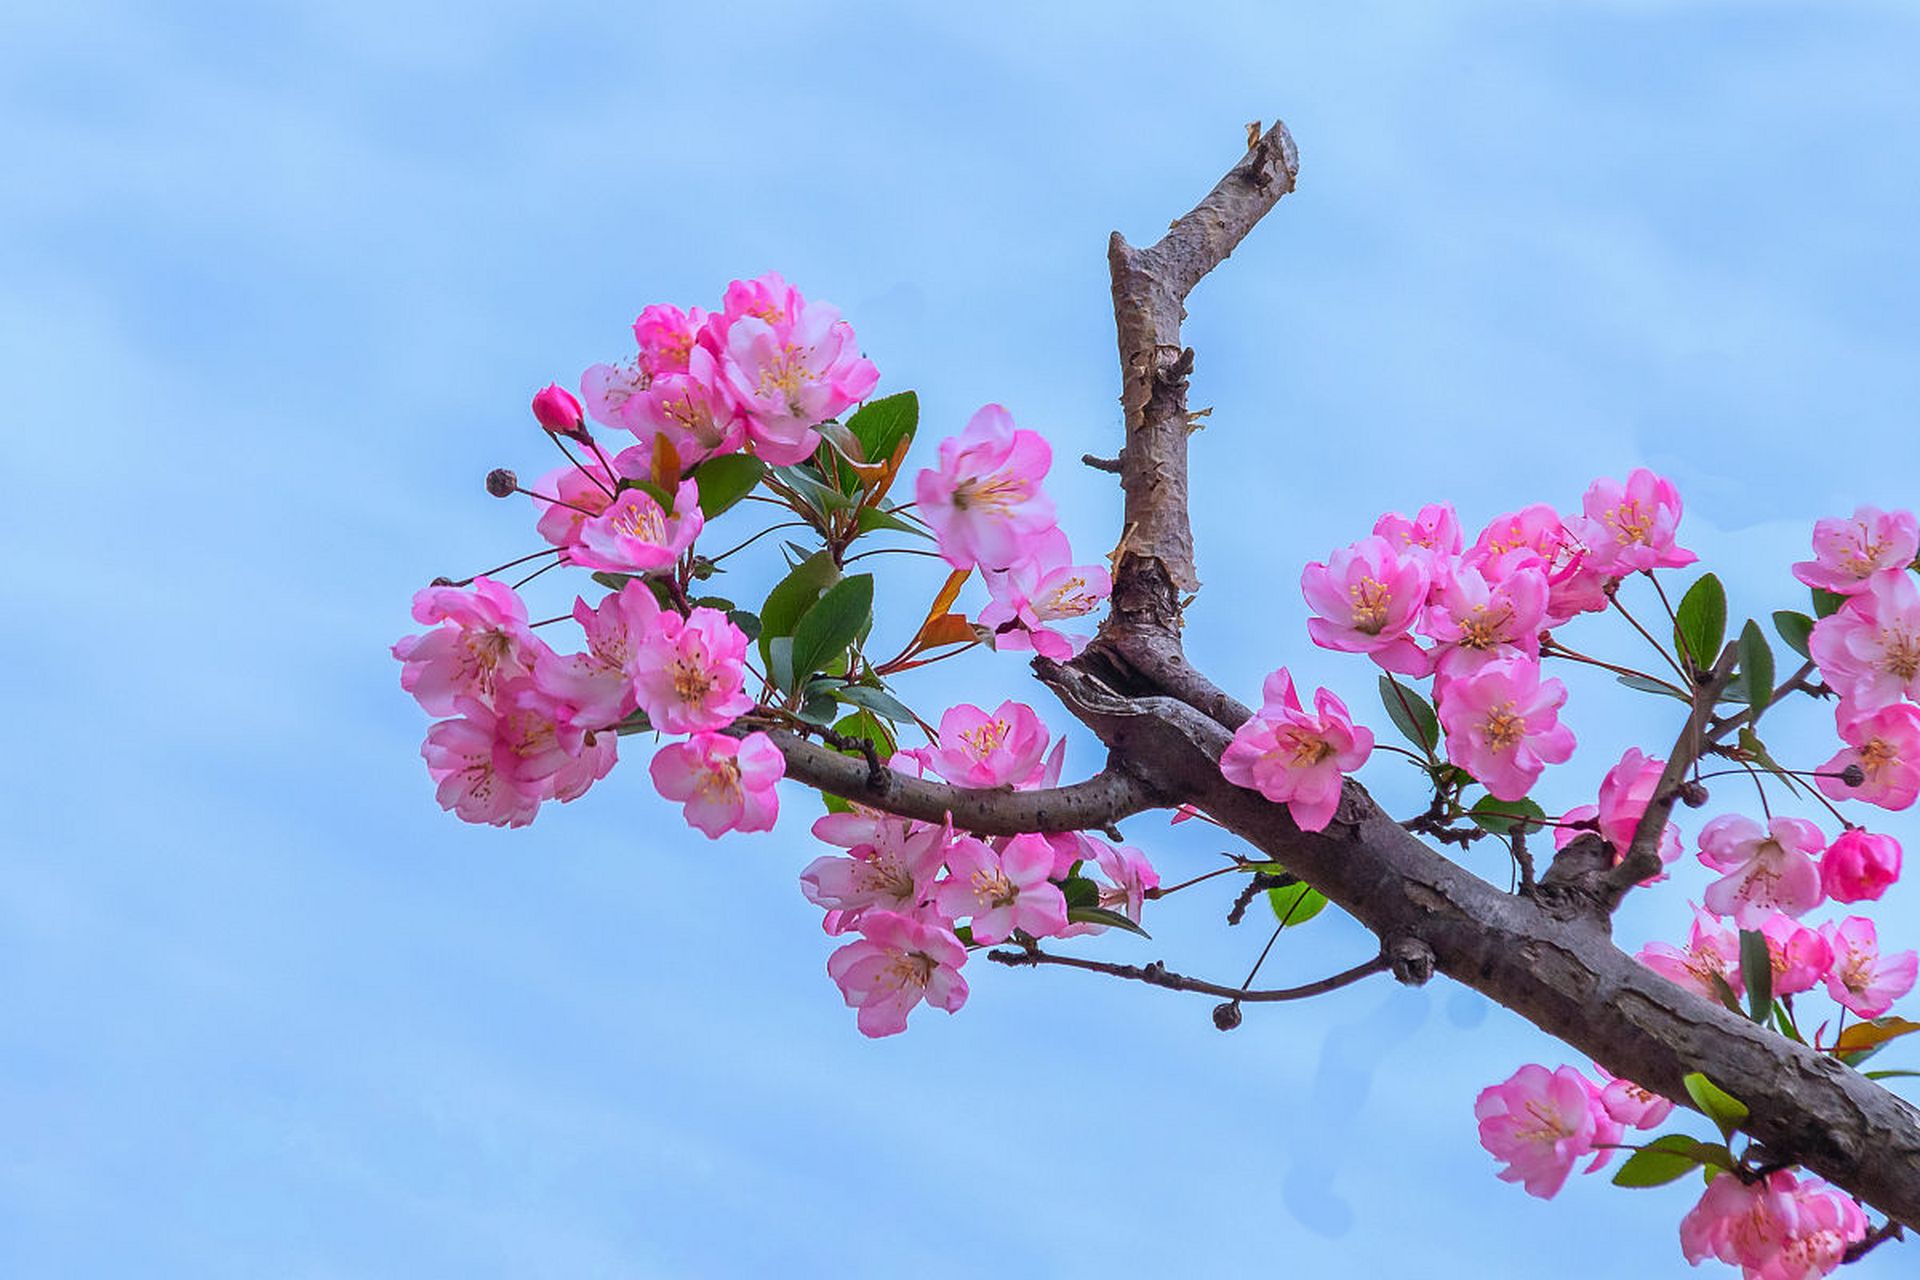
(557, 411)
(1860, 865)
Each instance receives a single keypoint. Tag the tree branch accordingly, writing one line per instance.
(1158, 975)
(1100, 801)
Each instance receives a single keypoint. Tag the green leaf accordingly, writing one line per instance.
(833, 623)
(1102, 915)
(1756, 666)
(779, 660)
(1667, 1158)
(871, 518)
(880, 425)
(1079, 891)
(790, 599)
(725, 480)
(1411, 714)
(1724, 990)
(1888, 1074)
(1296, 903)
(1750, 743)
(1826, 603)
(1700, 623)
(1501, 816)
(1794, 628)
(865, 725)
(820, 496)
(649, 488)
(878, 701)
(1756, 970)
(1721, 1107)
(1646, 684)
(749, 623)
(636, 722)
(1784, 1021)
(818, 707)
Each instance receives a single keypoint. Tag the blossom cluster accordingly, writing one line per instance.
(906, 887)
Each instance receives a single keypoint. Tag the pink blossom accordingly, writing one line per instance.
(636, 535)
(768, 298)
(1631, 1105)
(1369, 596)
(1741, 1224)
(692, 410)
(978, 749)
(1433, 534)
(1129, 874)
(1825, 1223)
(690, 674)
(1002, 890)
(1539, 1123)
(892, 872)
(613, 391)
(1769, 868)
(1294, 758)
(897, 963)
(984, 502)
(726, 785)
(1478, 616)
(1799, 956)
(1870, 649)
(1886, 746)
(1575, 586)
(598, 684)
(1043, 588)
(496, 763)
(555, 409)
(1859, 866)
(1848, 553)
(667, 335)
(1503, 725)
(1861, 978)
(482, 642)
(791, 374)
(462, 760)
(570, 496)
(1710, 951)
(1630, 527)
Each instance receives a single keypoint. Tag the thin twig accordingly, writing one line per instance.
(1158, 975)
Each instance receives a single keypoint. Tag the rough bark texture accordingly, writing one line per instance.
(1548, 956)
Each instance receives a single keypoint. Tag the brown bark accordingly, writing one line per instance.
(1548, 956)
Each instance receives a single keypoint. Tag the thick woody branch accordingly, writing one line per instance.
(1153, 564)
(1100, 801)
(1559, 971)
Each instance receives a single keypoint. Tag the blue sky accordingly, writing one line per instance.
(279, 281)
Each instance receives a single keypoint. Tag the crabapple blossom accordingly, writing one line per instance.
(1503, 725)
(666, 336)
(1768, 868)
(465, 766)
(482, 641)
(984, 501)
(768, 298)
(612, 393)
(1859, 865)
(1369, 596)
(726, 784)
(1574, 585)
(1870, 649)
(1847, 553)
(1044, 587)
(567, 498)
(893, 871)
(978, 749)
(1629, 1104)
(1825, 1223)
(1002, 889)
(1130, 876)
(791, 374)
(1711, 957)
(635, 534)
(1739, 1223)
(1295, 758)
(1863, 979)
(1479, 616)
(692, 410)
(1798, 955)
(1885, 744)
(555, 409)
(1433, 532)
(898, 962)
(1630, 527)
(599, 684)
(1540, 1123)
(690, 674)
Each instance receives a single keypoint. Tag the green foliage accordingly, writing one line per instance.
(1700, 623)
(1411, 714)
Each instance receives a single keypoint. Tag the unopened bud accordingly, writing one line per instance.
(1692, 794)
(442, 581)
(502, 483)
(557, 411)
(1226, 1016)
(1853, 775)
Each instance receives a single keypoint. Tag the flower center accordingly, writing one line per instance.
(985, 738)
(1631, 523)
(1504, 727)
(991, 888)
(1369, 599)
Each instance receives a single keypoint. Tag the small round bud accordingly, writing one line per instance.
(557, 411)
(1226, 1015)
(502, 483)
(442, 581)
(1853, 775)
(1692, 794)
